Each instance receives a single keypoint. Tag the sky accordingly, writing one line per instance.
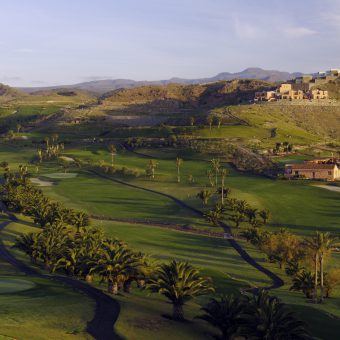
(48, 42)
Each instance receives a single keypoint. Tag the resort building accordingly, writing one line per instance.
(325, 169)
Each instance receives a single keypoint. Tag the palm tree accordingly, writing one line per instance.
(112, 150)
(179, 162)
(210, 177)
(114, 265)
(224, 173)
(264, 214)
(204, 195)
(210, 120)
(312, 244)
(269, 319)
(225, 314)
(179, 282)
(80, 219)
(219, 120)
(150, 170)
(327, 243)
(215, 164)
(303, 281)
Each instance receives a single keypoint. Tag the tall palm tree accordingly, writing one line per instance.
(327, 243)
(179, 282)
(225, 314)
(215, 164)
(112, 150)
(179, 162)
(313, 245)
(224, 173)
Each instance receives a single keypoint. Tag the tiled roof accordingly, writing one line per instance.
(311, 166)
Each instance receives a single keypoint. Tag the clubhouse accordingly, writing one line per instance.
(324, 169)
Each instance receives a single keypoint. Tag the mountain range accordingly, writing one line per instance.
(106, 85)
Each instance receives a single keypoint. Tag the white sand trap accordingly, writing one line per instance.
(41, 183)
(61, 175)
(67, 159)
(329, 187)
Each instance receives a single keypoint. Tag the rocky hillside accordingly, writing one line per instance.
(176, 96)
(8, 93)
(333, 87)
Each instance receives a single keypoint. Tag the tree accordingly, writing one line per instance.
(204, 196)
(215, 164)
(179, 162)
(18, 127)
(219, 120)
(114, 265)
(179, 282)
(210, 177)
(312, 244)
(224, 173)
(269, 319)
(320, 246)
(151, 167)
(304, 281)
(265, 215)
(210, 120)
(112, 150)
(80, 219)
(225, 314)
(327, 243)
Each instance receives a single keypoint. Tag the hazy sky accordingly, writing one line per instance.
(45, 42)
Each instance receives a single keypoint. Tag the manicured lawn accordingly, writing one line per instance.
(36, 308)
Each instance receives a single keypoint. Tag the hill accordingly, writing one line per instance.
(8, 93)
(333, 88)
(106, 85)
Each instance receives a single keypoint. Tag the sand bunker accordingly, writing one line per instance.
(61, 175)
(41, 183)
(67, 159)
(329, 187)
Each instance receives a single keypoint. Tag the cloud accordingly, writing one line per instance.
(299, 32)
(245, 30)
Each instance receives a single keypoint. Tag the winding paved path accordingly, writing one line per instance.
(101, 327)
(276, 280)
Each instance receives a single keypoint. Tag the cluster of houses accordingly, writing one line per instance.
(305, 87)
(323, 169)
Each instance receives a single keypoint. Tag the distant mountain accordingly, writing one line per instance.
(106, 85)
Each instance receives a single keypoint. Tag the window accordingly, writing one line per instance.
(296, 172)
(330, 173)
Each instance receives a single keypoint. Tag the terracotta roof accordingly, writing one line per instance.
(311, 166)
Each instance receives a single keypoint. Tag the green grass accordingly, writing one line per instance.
(36, 308)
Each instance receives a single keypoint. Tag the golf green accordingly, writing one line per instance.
(8, 285)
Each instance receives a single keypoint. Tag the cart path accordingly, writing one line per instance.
(107, 309)
(276, 280)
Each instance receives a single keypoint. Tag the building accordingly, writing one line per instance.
(265, 96)
(286, 91)
(325, 169)
(318, 94)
